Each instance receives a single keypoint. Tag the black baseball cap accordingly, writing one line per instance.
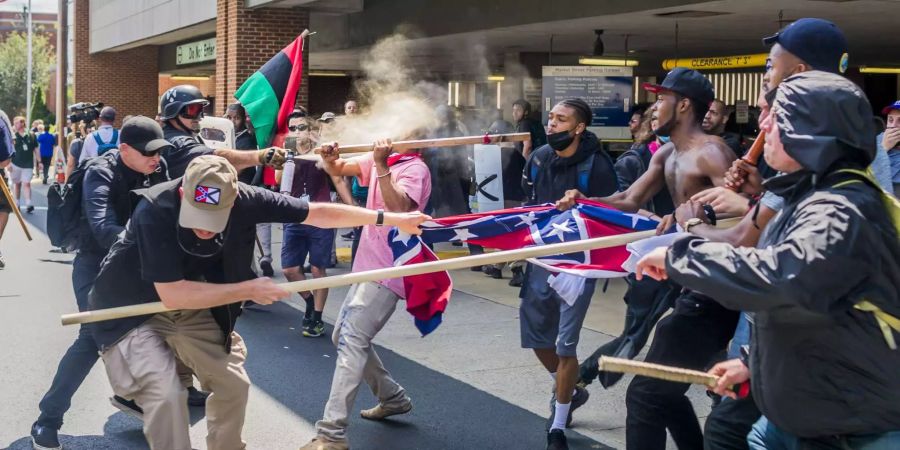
(144, 134)
(686, 82)
(818, 42)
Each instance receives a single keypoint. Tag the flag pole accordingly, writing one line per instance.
(397, 272)
(427, 143)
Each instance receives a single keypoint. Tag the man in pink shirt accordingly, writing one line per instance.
(397, 181)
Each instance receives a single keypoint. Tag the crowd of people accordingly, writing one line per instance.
(800, 299)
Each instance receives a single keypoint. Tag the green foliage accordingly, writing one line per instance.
(13, 64)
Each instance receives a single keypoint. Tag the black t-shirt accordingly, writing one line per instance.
(154, 249)
(245, 141)
(185, 148)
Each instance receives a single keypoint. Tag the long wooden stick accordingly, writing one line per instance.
(658, 371)
(14, 207)
(756, 150)
(396, 272)
(428, 143)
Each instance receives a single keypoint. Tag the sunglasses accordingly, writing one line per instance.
(301, 127)
(192, 111)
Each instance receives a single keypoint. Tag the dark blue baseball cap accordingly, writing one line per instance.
(887, 109)
(818, 42)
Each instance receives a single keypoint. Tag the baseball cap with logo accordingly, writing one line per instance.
(893, 106)
(818, 42)
(686, 82)
(209, 189)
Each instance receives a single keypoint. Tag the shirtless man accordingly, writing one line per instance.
(699, 327)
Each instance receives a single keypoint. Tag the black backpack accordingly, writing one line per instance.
(64, 211)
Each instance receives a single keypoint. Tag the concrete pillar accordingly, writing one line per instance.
(247, 38)
(126, 80)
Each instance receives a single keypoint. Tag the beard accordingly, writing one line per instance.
(665, 129)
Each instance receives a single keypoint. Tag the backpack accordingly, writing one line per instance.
(64, 210)
(584, 169)
(103, 147)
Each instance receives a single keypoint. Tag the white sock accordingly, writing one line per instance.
(562, 413)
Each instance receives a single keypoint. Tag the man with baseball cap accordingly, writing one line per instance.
(889, 142)
(699, 327)
(189, 244)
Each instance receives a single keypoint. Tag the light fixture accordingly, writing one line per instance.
(598, 43)
(879, 69)
(187, 78)
(588, 61)
(496, 78)
(327, 73)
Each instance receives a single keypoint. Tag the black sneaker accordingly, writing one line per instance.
(556, 440)
(348, 236)
(307, 321)
(316, 328)
(127, 406)
(29, 209)
(44, 438)
(518, 277)
(266, 266)
(492, 272)
(196, 397)
(476, 268)
(580, 398)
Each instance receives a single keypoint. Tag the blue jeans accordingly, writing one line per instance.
(766, 436)
(81, 356)
(741, 337)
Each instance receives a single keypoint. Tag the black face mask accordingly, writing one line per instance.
(200, 248)
(561, 140)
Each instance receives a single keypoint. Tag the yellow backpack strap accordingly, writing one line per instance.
(885, 321)
(891, 203)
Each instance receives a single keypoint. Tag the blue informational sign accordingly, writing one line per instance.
(607, 90)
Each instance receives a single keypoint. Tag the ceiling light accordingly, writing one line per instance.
(879, 69)
(496, 78)
(588, 61)
(328, 74)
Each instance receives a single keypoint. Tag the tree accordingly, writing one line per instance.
(13, 65)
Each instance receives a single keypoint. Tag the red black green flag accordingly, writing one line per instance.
(270, 93)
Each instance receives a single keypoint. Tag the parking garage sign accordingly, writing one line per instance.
(195, 52)
(607, 90)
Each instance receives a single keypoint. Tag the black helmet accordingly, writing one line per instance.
(176, 98)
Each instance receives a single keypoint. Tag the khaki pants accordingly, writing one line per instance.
(142, 367)
(366, 309)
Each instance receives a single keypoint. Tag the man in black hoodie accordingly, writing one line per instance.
(572, 159)
(824, 281)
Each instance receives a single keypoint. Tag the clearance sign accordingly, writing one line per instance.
(717, 62)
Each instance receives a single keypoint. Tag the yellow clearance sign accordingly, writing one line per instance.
(717, 62)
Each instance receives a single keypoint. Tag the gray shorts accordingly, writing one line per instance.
(546, 320)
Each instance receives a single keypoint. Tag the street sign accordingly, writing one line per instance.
(718, 62)
(741, 111)
(607, 90)
(195, 52)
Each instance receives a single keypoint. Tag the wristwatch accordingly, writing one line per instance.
(380, 220)
(693, 221)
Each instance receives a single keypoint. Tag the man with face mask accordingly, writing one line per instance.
(699, 328)
(181, 108)
(190, 245)
(572, 159)
(823, 281)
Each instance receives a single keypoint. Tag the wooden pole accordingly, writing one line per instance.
(428, 143)
(753, 154)
(397, 272)
(658, 371)
(14, 206)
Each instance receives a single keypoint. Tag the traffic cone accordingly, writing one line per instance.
(60, 170)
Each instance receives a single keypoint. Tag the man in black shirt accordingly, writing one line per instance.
(190, 244)
(714, 123)
(525, 124)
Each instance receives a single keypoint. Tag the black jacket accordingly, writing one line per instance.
(547, 177)
(630, 166)
(185, 147)
(105, 199)
(819, 365)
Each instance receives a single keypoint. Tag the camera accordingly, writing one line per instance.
(85, 112)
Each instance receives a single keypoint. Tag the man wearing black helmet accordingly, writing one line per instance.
(180, 110)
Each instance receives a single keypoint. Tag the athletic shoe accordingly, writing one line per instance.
(556, 440)
(380, 412)
(348, 236)
(196, 397)
(2, 262)
(323, 443)
(476, 268)
(127, 406)
(580, 398)
(29, 209)
(44, 438)
(518, 277)
(493, 272)
(265, 264)
(315, 328)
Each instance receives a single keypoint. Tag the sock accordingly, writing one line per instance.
(317, 316)
(559, 418)
(310, 306)
(553, 376)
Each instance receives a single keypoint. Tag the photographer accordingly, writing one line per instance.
(104, 139)
(75, 147)
(181, 108)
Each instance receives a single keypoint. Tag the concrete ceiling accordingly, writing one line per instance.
(738, 29)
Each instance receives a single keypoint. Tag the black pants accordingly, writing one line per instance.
(647, 301)
(688, 338)
(46, 160)
(729, 423)
(81, 356)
